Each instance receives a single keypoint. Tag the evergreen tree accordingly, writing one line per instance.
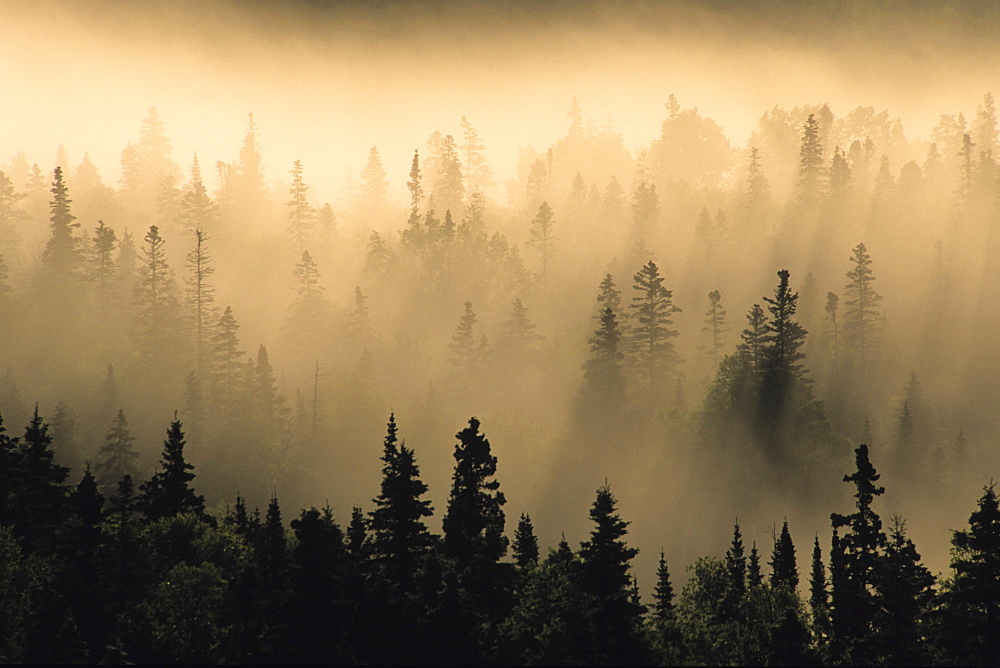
(602, 372)
(399, 538)
(478, 175)
(819, 596)
(62, 257)
(301, 214)
(196, 209)
(972, 596)
(463, 345)
(663, 593)
(653, 309)
(862, 320)
(102, 264)
(757, 189)
(832, 303)
(608, 297)
(855, 561)
(525, 546)
(810, 162)
(541, 234)
(168, 493)
(116, 458)
(905, 591)
(64, 435)
(474, 522)
(784, 572)
(413, 185)
(605, 564)
(200, 297)
(754, 576)
(374, 186)
(39, 494)
(753, 338)
(156, 315)
(736, 568)
(519, 335)
(715, 325)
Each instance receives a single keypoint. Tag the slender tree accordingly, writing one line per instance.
(542, 236)
(169, 493)
(62, 256)
(652, 312)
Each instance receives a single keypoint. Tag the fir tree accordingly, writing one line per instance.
(102, 263)
(663, 593)
(608, 297)
(832, 303)
(168, 492)
(519, 335)
(754, 576)
(196, 210)
(374, 186)
(810, 162)
(478, 175)
(905, 591)
(736, 569)
(819, 596)
(603, 370)
(156, 316)
(753, 338)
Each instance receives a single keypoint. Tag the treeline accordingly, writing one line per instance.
(144, 573)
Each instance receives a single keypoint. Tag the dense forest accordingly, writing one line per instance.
(724, 334)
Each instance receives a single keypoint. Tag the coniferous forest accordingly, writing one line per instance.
(435, 359)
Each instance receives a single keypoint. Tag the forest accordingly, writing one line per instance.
(248, 367)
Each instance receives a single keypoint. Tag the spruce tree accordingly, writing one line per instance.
(784, 572)
(541, 234)
(663, 593)
(399, 537)
(715, 325)
(474, 521)
(602, 372)
(102, 264)
(753, 339)
(605, 561)
(608, 297)
(39, 498)
(525, 546)
(62, 256)
(905, 591)
(116, 458)
(972, 597)
(301, 214)
(157, 308)
(200, 297)
(819, 596)
(168, 493)
(754, 576)
(862, 320)
(519, 336)
(736, 569)
(652, 311)
(463, 345)
(374, 186)
(478, 175)
(810, 162)
(855, 560)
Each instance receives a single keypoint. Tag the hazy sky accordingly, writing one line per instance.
(328, 80)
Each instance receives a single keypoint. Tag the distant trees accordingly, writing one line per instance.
(62, 256)
(542, 236)
(301, 214)
(156, 304)
(862, 318)
(650, 337)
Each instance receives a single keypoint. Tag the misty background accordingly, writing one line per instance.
(625, 95)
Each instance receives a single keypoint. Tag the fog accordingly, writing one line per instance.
(325, 82)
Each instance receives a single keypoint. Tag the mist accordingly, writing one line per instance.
(415, 209)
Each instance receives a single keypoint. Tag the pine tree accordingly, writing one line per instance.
(309, 288)
(62, 257)
(715, 325)
(301, 214)
(754, 576)
(757, 189)
(413, 185)
(357, 535)
(399, 538)
(116, 458)
(474, 522)
(448, 184)
(168, 493)
(226, 365)
(525, 546)
(652, 310)
(39, 492)
(862, 320)
(608, 297)
(541, 234)
(784, 572)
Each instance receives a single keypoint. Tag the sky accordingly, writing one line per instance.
(326, 81)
